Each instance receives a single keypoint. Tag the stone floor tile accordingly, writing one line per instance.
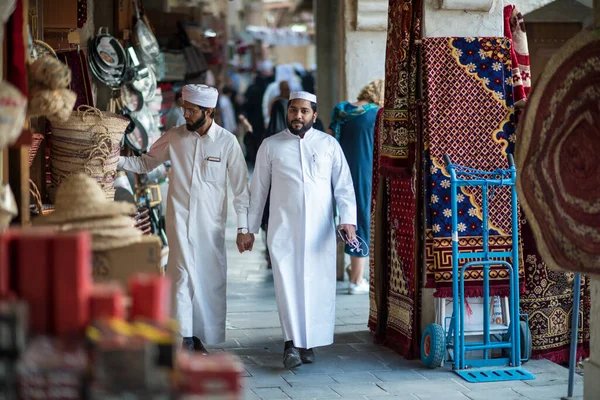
(347, 338)
(267, 371)
(335, 349)
(264, 382)
(551, 378)
(228, 344)
(270, 394)
(395, 376)
(254, 320)
(445, 396)
(419, 387)
(548, 392)
(317, 368)
(250, 351)
(360, 389)
(248, 394)
(355, 377)
(360, 362)
(544, 366)
(391, 396)
(309, 380)
(351, 328)
(494, 394)
(491, 385)
(309, 392)
(441, 374)
(366, 347)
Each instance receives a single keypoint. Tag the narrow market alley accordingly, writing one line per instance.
(353, 367)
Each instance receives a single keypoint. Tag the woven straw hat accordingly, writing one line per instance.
(79, 197)
(107, 239)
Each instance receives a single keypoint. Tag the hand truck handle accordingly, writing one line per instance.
(447, 159)
(511, 160)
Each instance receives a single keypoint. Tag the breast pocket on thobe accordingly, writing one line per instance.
(321, 166)
(212, 170)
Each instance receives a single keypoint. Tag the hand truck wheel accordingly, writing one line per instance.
(433, 346)
(526, 342)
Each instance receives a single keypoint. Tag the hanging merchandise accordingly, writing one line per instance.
(6, 10)
(131, 99)
(81, 13)
(107, 58)
(87, 142)
(48, 95)
(175, 66)
(144, 38)
(12, 109)
(81, 83)
(195, 62)
(8, 206)
(41, 49)
(144, 80)
(145, 83)
(16, 71)
(137, 136)
(479, 133)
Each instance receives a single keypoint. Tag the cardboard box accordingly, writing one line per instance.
(120, 264)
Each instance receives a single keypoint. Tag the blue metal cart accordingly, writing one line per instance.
(447, 344)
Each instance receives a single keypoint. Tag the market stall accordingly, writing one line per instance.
(80, 88)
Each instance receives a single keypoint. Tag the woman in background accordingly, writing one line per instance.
(353, 125)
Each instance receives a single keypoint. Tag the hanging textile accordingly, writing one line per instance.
(514, 29)
(80, 76)
(548, 300)
(469, 115)
(377, 245)
(81, 13)
(557, 160)
(399, 120)
(15, 47)
(402, 333)
(395, 294)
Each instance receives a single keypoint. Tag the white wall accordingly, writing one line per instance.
(365, 60)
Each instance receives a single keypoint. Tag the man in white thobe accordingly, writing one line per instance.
(203, 156)
(306, 171)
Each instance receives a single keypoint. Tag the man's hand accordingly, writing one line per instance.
(245, 241)
(350, 231)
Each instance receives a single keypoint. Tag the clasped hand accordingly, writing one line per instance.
(245, 241)
(350, 231)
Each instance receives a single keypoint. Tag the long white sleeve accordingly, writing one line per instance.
(343, 189)
(237, 172)
(259, 188)
(157, 155)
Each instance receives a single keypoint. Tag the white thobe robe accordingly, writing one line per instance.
(196, 216)
(305, 176)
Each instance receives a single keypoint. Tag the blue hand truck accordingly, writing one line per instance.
(440, 345)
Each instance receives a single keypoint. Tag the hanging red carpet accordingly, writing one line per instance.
(394, 268)
(468, 115)
(548, 301)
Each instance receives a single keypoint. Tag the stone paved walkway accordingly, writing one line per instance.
(353, 367)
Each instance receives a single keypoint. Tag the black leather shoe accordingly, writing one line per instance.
(307, 356)
(198, 346)
(291, 358)
(187, 344)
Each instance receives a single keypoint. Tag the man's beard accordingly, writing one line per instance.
(300, 131)
(198, 124)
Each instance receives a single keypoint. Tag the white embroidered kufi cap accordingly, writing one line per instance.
(200, 95)
(303, 96)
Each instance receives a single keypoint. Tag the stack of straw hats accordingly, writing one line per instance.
(49, 96)
(81, 205)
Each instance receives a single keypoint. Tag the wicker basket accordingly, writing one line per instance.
(89, 142)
